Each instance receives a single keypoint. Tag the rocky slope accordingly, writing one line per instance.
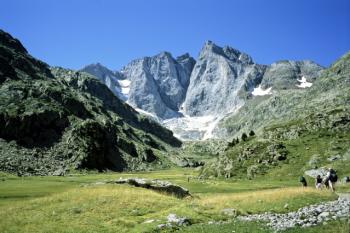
(57, 120)
(296, 130)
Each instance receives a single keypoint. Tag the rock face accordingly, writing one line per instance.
(157, 185)
(220, 80)
(285, 74)
(159, 84)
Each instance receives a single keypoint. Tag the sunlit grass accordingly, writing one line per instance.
(77, 204)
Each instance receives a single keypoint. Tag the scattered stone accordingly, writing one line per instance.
(323, 214)
(157, 185)
(178, 221)
(229, 212)
(305, 217)
(100, 183)
(334, 158)
(149, 221)
(175, 221)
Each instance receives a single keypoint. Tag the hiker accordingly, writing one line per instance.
(318, 182)
(303, 182)
(331, 178)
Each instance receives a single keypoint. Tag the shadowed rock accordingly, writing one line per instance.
(156, 185)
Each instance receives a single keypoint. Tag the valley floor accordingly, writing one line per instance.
(84, 203)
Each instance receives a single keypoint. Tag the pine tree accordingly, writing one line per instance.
(251, 133)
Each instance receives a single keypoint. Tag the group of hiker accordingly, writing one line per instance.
(328, 181)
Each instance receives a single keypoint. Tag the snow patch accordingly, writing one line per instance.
(124, 86)
(303, 83)
(192, 128)
(258, 91)
(108, 82)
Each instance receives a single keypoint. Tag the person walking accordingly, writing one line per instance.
(331, 178)
(303, 182)
(318, 182)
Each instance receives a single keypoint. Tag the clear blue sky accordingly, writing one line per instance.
(74, 33)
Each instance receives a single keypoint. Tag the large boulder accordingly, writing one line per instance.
(315, 172)
(157, 185)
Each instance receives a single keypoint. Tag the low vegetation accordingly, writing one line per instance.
(47, 204)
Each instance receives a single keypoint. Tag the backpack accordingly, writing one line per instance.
(333, 176)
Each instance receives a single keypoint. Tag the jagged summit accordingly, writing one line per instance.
(230, 53)
(218, 76)
(158, 83)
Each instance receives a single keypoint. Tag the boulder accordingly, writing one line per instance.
(346, 179)
(156, 185)
(314, 172)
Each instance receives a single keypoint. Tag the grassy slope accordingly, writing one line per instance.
(48, 204)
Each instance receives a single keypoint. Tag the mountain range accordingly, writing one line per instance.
(55, 120)
(192, 97)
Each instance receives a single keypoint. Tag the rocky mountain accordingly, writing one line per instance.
(217, 80)
(192, 97)
(289, 74)
(54, 120)
(159, 84)
(296, 130)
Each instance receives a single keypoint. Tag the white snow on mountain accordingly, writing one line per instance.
(125, 86)
(303, 83)
(258, 91)
(191, 128)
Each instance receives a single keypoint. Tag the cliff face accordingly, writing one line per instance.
(219, 79)
(159, 84)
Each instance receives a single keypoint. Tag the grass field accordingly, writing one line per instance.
(77, 203)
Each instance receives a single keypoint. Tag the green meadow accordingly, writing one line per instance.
(84, 203)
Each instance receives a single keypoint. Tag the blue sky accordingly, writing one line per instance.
(74, 33)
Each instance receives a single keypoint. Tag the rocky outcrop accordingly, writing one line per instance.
(159, 84)
(156, 185)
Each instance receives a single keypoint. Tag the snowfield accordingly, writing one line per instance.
(303, 83)
(258, 91)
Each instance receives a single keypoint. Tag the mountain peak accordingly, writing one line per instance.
(7, 40)
(226, 51)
